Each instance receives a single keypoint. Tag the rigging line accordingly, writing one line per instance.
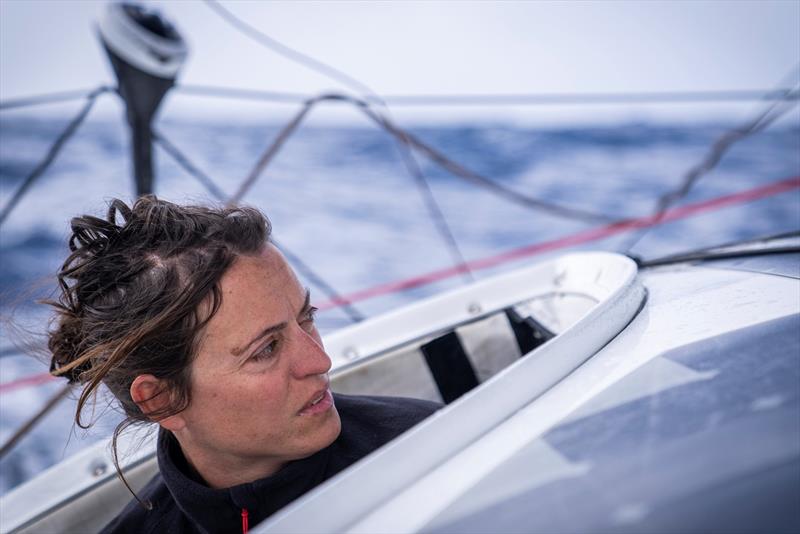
(49, 98)
(188, 166)
(290, 53)
(272, 150)
(411, 100)
(718, 255)
(411, 164)
(26, 427)
(710, 161)
(310, 275)
(438, 158)
(55, 148)
(241, 94)
(477, 179)
(434, 210)
(217, 192)
(510, 99)
(658, 97)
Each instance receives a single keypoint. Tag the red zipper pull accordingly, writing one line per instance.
(245, 526)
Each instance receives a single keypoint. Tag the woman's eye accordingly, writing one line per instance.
(267, 351)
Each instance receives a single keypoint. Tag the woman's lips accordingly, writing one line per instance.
(319, 405)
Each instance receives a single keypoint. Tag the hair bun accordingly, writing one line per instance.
(65, 346)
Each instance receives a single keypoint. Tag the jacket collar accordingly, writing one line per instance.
(218, 510)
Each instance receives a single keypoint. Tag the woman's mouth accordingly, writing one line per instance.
(322, 402)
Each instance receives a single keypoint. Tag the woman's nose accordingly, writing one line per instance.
(310, 358)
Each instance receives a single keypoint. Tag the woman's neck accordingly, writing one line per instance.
(224, 470)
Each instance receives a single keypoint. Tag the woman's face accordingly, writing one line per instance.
(259, 380)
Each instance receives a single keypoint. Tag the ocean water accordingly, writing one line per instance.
(340, 199)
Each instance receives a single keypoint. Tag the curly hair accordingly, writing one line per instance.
(136, 294)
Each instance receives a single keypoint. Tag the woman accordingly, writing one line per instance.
(195, 321)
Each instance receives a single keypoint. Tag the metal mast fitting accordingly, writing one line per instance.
(146, 52)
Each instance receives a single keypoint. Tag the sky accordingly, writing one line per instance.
(429, 48)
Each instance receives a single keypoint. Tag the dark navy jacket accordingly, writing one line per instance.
(182, 504)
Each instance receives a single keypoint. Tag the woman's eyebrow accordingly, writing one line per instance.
(236, 351)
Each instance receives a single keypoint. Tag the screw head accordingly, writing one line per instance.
(98, 468)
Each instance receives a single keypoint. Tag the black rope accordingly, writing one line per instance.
(712, 158)
(515, 99)
(26, 427)
(434, 211)
(188, 166)
(217, 192)
(719, 255)
(479, 180)
(55, 148)
(436, 156)
(287, 52)
(50, 98)
(440, 222)
(310, 275)
(271, 151)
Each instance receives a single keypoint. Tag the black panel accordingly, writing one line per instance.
(529, 332)
(450, 366)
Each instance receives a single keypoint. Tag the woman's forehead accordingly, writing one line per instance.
(260, 275)
(257, 291)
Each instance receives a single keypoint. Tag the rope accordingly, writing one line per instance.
(510, 99)
(534, 99)
(25, 381)
(289, 53)
(354, 315)
(479, 180)
(436, 156)
(188, 166)
(310, 275)
(713, 157)
(55, 148)
(49, 98)
(579, 238)
(30, 423)
(486, 99)
(405, 141)
(271, 151)
(434, 211)
(241, 94)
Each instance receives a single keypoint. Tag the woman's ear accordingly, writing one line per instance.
(151, 395)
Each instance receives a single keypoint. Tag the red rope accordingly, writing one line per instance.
(585, 236)
(31, 380)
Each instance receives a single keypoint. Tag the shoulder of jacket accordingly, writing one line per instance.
(385, 406)
(158, 511)
(370, 422)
